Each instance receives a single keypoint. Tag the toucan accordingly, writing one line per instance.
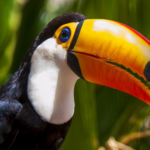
(37, 103)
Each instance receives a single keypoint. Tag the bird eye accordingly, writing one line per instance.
(64, 35)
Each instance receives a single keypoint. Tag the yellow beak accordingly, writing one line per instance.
(96, 43)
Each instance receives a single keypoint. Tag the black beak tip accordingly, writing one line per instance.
(147, 71)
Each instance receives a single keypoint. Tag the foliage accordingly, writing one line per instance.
(100, 112)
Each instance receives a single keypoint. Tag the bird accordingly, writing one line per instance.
(37, 103)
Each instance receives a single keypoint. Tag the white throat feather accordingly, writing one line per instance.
(51, 83)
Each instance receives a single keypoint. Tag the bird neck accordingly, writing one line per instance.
(51, 85)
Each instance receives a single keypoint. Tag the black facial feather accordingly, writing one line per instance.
(25, 130)
(50, 29)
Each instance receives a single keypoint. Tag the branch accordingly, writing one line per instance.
(133, 136)
(112, 144)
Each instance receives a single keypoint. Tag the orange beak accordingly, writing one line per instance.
(96, 43)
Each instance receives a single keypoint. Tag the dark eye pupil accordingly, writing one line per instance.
(64, 34)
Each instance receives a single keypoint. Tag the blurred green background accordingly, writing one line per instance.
(100, 112)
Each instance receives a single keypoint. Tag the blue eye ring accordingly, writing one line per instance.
(64, 35)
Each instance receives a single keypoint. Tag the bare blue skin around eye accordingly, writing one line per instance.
(65, 39)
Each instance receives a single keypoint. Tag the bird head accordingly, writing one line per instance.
(92, 46)
(73, 46)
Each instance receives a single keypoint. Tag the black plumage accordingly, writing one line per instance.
(21, 128)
